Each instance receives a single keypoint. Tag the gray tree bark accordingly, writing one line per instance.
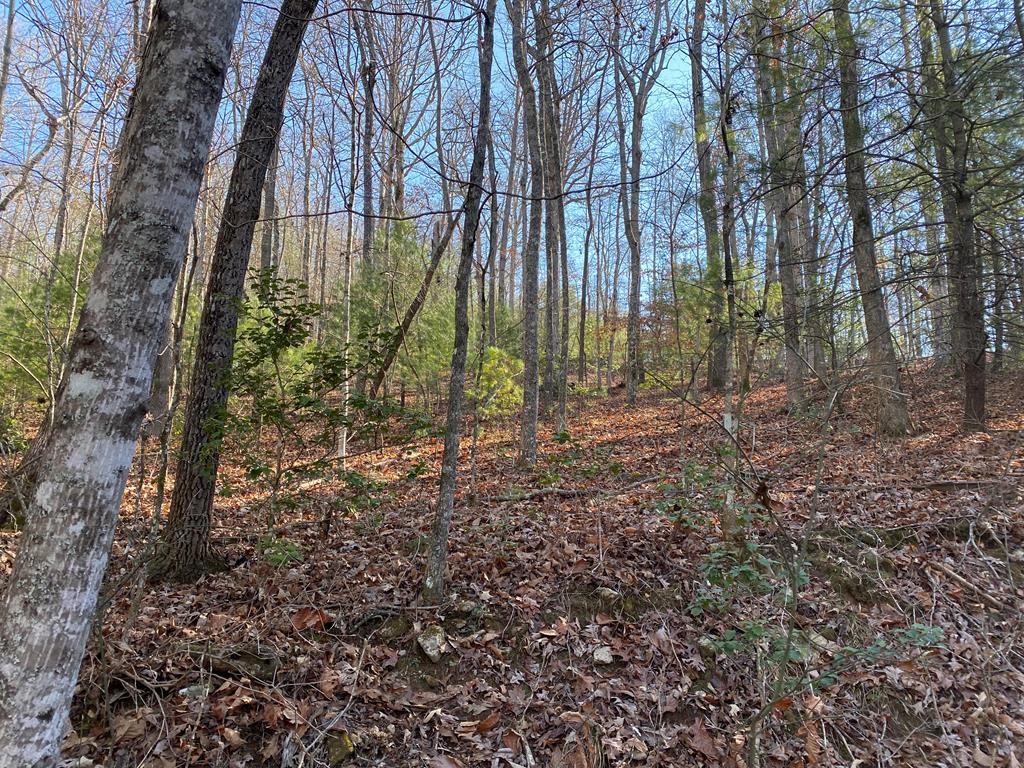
(892, 405)
(47, 608)
(185, 553)
(437, 557)
(782, 146)
(969, 338)
(531, 252)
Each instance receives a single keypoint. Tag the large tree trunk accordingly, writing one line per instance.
(892, 405)
(706, 201)
(531, 253)
(782, 146)
(437, 558)
(556, 364)
(969, 336)
(48, 606)
(185, 554)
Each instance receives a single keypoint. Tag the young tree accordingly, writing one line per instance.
(48, 606)
(185, 553)
(437, 557)
(637, 78)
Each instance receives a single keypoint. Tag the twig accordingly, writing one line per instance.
(984, 596)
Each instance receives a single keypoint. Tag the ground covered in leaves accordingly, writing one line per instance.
(869, 613)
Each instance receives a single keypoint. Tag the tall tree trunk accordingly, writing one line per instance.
(964, 264)
(369, 74)
(48, 605)
(782, 146)
(581, 374)
(730, 419)
(492, 251)
(437, 557)
(706, 201)
(892, 405)
(531, 252)
(5, 60)
(185, 553)
(554, 227)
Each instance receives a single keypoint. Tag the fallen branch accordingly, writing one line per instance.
(984, 596)
(572, 492)
(932, 485)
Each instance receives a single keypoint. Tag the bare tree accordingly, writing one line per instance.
(892, 410)
(638, 78)
(48, 605)
(531, 252)
(437, 557)
(185, 553)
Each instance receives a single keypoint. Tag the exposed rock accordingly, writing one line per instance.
(432, 642)
(339, 748)
(394, 627)
(603, 655)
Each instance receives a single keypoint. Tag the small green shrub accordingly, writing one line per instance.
(280, 552)
(498, 393)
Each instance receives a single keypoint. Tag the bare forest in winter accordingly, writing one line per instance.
(511, 383)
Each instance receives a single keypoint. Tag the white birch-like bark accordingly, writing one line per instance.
(47, 609)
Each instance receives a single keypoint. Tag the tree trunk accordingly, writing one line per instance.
(531, 252)
(892, 405)
(437, 558)
(964, 264)
(268, 233)
(581, 374)
(706, 201)
(5, 61)
(48, 605)
(781, 145)
(369, 77)
(186, 554)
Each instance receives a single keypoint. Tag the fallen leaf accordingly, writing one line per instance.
(488, 722)
(309, 618)
(700, 740)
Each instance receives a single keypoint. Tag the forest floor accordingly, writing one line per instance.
(600, 619)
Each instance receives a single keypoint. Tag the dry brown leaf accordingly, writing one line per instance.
(488, 722)
(232, 737)
(700, 740)
(309, 618)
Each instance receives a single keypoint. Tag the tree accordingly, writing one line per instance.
(531, 252)
(48, 606)
(706, 198)
(638, 79)
(437, 558)
(185, 553)
(953, 133)
(892, 406)
(782, 137)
